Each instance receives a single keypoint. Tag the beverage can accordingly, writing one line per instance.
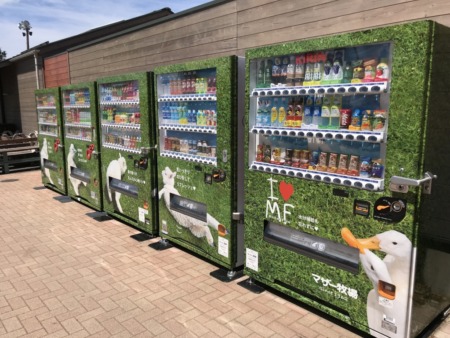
(323, 161)
(304, 156)
(367, 119)
(342, 164)
(260, 152)
(345, 118)
(356, 120)
(296, 157)
(267, 153)
(314, 157)
(332, 162)
(353, 166)
(365, 167)
(377, 168)
(288, 157)
(276, 155)
(167, 143)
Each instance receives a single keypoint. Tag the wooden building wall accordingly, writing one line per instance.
(56, 71)
(209, 33)
(265, 22)
(235, 26)
(226, 29)
(26, 84)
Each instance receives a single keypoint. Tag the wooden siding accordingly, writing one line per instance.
(209, 33)
(235, 26)
(271, 22)
(56, 71)
(226, 29)
(26, 83)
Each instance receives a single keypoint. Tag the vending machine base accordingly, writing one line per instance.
(99, 216)
(252, 285)
(142, 237)
(161, 245)
(227, 276)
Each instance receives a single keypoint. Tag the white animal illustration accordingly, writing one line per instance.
(44, 156)
(71, 164)
(116, 169)
(376, 270)
(398, 249)
(197, 227)
(385, 314)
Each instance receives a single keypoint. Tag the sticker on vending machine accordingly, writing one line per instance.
(251, 259)
(142, 213)
(164, 229)
(223, 246)
(388, 323)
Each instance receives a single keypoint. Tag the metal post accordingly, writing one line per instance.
(25, 26)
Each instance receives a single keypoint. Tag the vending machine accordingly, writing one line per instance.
(346, 182)
(81, 138)
(51, 139)
(127, 149)
(200, 159)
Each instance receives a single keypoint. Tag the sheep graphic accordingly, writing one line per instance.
(44, 156)
(197, 227)
(116, 169)
(71, 164)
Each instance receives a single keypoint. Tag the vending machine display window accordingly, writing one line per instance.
(77, 114)
(47, 115)
(120, 116)
(322, 115)
(187, 112)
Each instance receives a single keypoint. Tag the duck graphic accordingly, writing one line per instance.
(389, 300)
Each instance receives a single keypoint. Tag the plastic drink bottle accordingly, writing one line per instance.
(290, 73)
(282, 113)
(325, 119)
(274, 113)
(268, 73)
(259, 113)
(260, 74)
(317, 113)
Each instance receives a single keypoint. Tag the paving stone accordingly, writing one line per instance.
(63, 274)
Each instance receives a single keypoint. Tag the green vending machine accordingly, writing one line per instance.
(127, 143)
(346, 182)
(81, 138)
(51, 139)
(200, 163)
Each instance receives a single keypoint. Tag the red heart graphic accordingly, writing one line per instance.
(286, 190)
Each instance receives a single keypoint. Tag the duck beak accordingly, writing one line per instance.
(370, 243)
(360, 243)
(351, 240)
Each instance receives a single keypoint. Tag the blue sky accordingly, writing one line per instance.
(53, 20)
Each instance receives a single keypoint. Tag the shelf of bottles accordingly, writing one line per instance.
(187, 113)
(77, 114)
(322, 115)
(47, 115)
(120, 116)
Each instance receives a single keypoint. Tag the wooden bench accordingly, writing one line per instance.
(19, 152)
